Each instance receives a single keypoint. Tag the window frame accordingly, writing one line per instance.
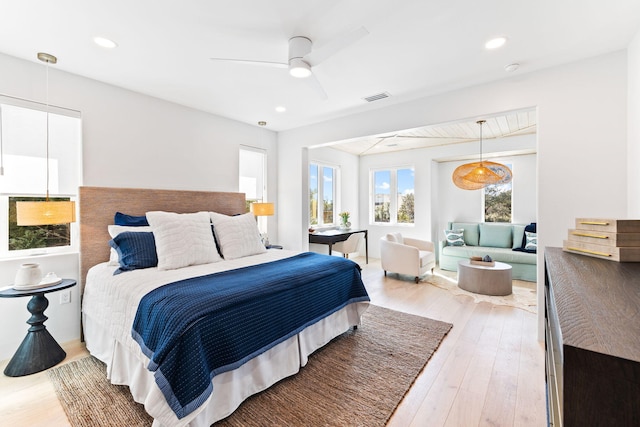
(76, 155)
(263, 152)
(335, 191)
(393, 195)
(484, 199)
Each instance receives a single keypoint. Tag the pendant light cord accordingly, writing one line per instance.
(480, 122)
(47, 107)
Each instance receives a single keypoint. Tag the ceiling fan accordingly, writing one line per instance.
(302, 58)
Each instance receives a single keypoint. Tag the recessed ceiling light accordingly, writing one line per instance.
(511, 67)
(262, 123)
(495, 42)
(105, 42)
(280, 109)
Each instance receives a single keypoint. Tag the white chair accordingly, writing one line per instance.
(405, 255)
(350, 245)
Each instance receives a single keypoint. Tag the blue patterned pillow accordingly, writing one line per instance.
(531, 241)
(135, 251)
(455, 237)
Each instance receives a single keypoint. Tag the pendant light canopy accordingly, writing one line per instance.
(477, 175)
(46, 212)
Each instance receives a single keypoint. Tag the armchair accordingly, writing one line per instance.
(405, 255)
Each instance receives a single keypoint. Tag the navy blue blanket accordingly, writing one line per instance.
(199, 327)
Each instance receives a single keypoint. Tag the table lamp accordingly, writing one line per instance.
(263, 209)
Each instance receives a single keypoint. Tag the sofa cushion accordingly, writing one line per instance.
(518, 235)
(455, 237)
(497, 254)
(496, 235)
(471, 234)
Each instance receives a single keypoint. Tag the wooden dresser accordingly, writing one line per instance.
(592, 342)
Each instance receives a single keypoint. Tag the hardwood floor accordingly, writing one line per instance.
(488, 371)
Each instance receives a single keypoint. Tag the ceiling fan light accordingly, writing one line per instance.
(298, 68)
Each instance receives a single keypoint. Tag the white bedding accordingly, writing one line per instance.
(109, 308)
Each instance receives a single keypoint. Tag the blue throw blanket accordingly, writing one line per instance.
(197, 328)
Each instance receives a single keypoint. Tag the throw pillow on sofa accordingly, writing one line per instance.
(395, 237)
(455, 237)
(471, 233)
(531, 241)
(531, 228)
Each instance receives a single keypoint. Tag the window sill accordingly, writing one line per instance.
(37, 256)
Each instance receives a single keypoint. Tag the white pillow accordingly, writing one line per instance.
(395, 237)
(114, 230)
(238, 236)
(182, 239)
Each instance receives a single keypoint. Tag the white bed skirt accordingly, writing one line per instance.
(230, 389)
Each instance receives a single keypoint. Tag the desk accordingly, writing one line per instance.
(39, 350)
(329, 237)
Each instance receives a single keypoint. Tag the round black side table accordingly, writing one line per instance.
(39, 350)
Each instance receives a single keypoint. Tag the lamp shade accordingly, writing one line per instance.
(477, 175)
(262, 209)
(474, 176)
(45, 213)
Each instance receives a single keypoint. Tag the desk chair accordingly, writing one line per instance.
(350, 245)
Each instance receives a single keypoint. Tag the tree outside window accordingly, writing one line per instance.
(393, 196)
(322, 191)
(36, 236)
(497, 202)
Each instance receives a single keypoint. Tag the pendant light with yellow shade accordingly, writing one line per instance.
(46, 212)
(477, 175)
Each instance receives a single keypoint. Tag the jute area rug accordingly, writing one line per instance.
(356, 380)
(524, 294)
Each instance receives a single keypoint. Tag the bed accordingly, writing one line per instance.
(162, 369)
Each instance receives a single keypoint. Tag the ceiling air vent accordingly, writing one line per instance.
(377, 97)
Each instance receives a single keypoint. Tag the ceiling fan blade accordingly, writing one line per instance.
(317, 87)
(251, 62)
(319, 54)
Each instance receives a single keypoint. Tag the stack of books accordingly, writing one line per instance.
(612, 239)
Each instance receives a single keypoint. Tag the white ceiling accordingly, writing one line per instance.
(414, 47)
(504, 125)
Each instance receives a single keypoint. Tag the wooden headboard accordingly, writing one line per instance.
(98, 205)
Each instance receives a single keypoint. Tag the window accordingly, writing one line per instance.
(322, 194)
(23, 151)
(497, 202)
(252, 168)
(393, 196)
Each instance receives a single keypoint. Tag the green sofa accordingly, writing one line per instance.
(494, 239)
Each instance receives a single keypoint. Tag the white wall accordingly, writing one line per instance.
(582, 141)
(129, 140)
(633, 126)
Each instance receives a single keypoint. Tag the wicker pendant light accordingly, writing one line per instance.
(477, 175)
